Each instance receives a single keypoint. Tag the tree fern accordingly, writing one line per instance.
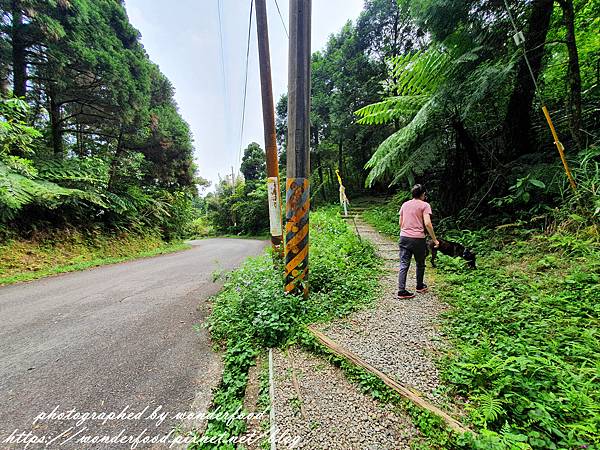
(410, 150)
(420, 73)
(424, 82)
(91, 171)
(416, 76)
(391, 109)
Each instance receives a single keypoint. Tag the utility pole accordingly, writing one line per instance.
(298, 156)
(266, 87)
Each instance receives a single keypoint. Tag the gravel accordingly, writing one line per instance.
(337, 414)
(398, 337)
(323, 410)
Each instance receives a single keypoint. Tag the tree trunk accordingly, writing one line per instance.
(56, 126)
(80, 141)
(112, 174)
(4, 83)
(396, 19)
(466, 144)
(319, 164)
(18, 51)
(341, 157)
(518, 121)
(573, 73)
(332, 180)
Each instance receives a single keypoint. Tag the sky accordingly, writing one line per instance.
(182, 37)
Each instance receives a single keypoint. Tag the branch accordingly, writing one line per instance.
(93, 133)
(81, 113)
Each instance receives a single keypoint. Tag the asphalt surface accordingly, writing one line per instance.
(122, 339)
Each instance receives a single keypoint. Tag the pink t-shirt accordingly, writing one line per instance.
(412, 218)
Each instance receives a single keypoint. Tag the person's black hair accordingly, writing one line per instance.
(418, 190)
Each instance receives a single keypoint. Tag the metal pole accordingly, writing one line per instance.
(266, 88)
(559, 145)
(298, 157)
(561, 149)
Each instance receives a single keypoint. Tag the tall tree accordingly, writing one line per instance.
(254, 163)
(111, 128)
(19, 47)
(518, 118)
(573, 72)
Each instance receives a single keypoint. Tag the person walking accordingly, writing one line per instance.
(415, 218)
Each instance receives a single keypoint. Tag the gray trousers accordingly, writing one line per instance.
(408, 248)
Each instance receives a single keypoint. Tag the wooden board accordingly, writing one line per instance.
(399, 388)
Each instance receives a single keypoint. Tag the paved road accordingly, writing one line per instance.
(115, 337)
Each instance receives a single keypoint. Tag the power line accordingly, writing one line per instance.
(522, 45)
(282, 21)
(245, 82)
(226, 109)
(221, 41)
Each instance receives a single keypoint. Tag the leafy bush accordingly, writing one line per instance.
(199, 228)
(239, 209)
(525, 328)
(253, 307)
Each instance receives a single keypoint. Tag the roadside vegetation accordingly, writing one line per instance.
(70, 250)
(96, 163)
(524, 325)
(252, 313)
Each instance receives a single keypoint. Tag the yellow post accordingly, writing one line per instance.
(343, 199)
(561, 149)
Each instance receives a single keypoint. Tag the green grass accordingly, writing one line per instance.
(70, 250)
(253, 313)
(525, 329)
(384, 217)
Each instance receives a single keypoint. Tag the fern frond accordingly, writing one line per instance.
(17, 191)
(390, 109)
(394, 152)
(91, 171)
(490, 406)
(420, 73)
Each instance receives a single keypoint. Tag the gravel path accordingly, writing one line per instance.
(398, 337)
(316, 407)
(326, 411)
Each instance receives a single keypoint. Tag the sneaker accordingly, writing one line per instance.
(422, 289)
(405, 294)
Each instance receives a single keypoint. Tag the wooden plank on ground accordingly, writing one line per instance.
(399, 388)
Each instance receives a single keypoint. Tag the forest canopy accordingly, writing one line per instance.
(90, 131)
(438, 92)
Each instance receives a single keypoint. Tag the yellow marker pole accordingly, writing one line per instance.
(561, 149)
(343, 199)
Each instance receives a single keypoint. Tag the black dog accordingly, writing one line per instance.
(451, 249)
